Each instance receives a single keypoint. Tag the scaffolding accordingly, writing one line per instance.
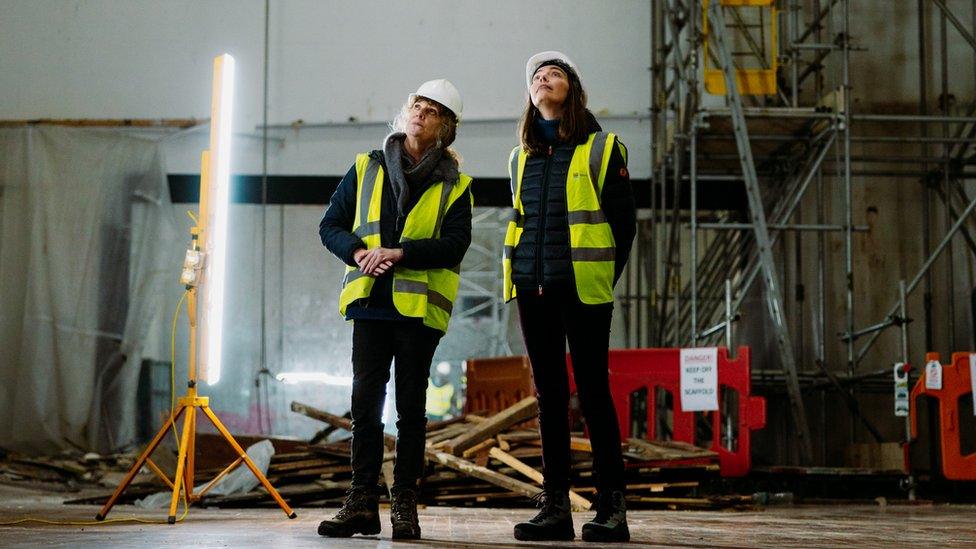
(783, 134)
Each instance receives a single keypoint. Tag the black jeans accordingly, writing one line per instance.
(375, 343)
(547, 323)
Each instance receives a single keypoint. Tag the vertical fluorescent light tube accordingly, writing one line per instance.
(212, 311)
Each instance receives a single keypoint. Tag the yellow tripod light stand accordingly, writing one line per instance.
(204, 269)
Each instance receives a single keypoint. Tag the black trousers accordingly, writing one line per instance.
(548, 321)
(410, 346)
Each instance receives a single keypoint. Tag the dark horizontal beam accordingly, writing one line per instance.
(246, 189)
(488, 191)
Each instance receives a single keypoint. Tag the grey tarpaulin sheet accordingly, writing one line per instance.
(87, 238)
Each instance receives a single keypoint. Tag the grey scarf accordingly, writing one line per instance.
(405, 175)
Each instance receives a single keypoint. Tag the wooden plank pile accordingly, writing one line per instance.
(495, 461)
(70, 471)
(475, 460)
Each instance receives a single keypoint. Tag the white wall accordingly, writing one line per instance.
(330, 61)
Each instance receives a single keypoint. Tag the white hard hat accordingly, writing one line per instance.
(538, 59)
(443, 92)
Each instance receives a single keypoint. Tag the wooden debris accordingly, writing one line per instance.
(295, 494)
(702, 503)
(324, 433)
(646, 450)
(440, 424)
(652, 487)
(447, 433)
(387, 470)
(524, 409)
(483, 473)
(472, 461)
(579, 502)
(578, 444)
(212, 451)
(334, 420)
(480, 448)
(519, 436)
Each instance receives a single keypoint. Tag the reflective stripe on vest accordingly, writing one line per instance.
(513, 234)
(428, 294)
(366, 225)
(592, 247)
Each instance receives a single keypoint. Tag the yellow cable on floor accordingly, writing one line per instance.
(172, 406)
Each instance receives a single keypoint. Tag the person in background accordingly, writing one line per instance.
(443, 398)
(574, 221)
(401, 222)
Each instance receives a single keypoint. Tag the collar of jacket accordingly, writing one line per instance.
(446, 171)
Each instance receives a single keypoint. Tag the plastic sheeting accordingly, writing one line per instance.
(86, 251)
(239, 481)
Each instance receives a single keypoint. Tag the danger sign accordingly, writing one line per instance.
(699, 379)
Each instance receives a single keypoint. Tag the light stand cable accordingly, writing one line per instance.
(172, 406)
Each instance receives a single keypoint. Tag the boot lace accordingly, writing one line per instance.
(355, 502)
(548, 501)
(404, 506)
(607, 506)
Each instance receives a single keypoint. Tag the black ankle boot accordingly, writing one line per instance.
(403, 514)
(553, 523)
(359, 515)
(610, 523)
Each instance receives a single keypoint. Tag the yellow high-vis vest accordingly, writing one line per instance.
(427, 294)
(592, 247)
(439, 399)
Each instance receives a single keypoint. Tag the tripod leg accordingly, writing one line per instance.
(190, 454)
(247, 461)
(139, 463)
(185, 437)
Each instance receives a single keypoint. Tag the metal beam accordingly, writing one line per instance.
(780, 216)
(684, 123)
(851, 402)
(816, 21)
(955, 22)
(774, 298)
(921, 272)
(755, 48)
(787, 213)
(779, 227)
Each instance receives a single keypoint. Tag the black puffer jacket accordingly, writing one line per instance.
(335, 230)
(542, 258)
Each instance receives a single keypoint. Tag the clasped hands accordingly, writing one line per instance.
(377, 261)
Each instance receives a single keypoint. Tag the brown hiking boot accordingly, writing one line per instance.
(359, 515)
(403, 514)
(553, 523)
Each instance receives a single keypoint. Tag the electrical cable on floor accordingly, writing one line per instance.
(172, 407)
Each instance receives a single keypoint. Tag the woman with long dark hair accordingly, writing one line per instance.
(574, 223)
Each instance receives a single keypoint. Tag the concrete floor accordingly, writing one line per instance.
(786, 526)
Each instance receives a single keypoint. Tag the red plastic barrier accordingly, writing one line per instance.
(956, 382)
(634, 369)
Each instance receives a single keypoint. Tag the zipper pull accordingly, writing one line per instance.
(550, 154)
(540, 289)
